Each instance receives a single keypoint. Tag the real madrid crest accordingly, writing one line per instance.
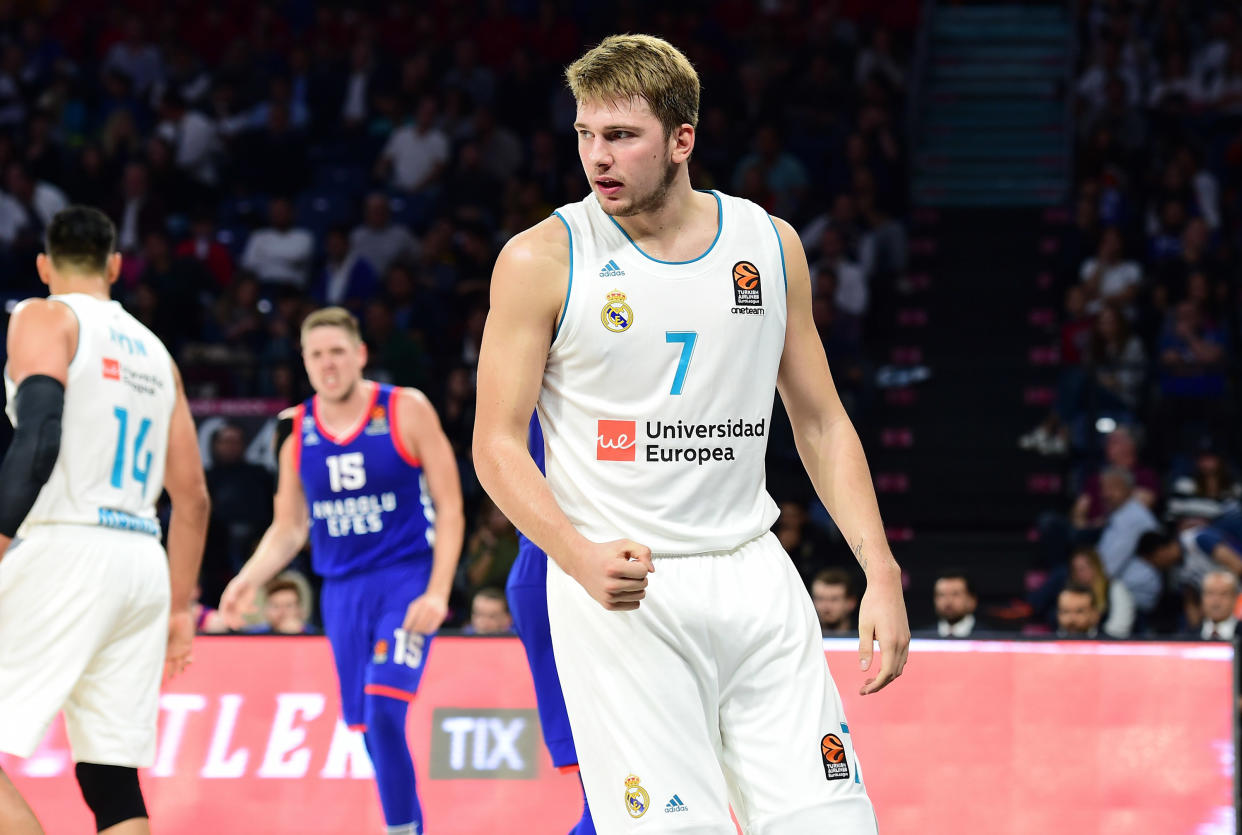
(636, 799)
(617, 316)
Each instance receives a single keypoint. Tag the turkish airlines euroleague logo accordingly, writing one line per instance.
(746, 288)
(615, 440)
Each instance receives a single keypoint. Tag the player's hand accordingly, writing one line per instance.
(180, 642)
(237, 602)
(882, 617)
(425, 614)
(614, 573)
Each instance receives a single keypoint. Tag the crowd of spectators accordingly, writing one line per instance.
(262, 159)
(1145, 411)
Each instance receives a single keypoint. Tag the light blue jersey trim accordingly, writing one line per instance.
(570, 287)
(779, 243)
(719, 227)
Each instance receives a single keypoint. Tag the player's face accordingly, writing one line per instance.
(1219, 595)
(334, 361)
(626, 156)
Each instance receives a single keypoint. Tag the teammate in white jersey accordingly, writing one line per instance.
(91, 607)
(650, 326)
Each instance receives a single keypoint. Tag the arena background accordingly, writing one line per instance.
(1023, 221)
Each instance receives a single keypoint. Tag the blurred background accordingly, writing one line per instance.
(1023, 222)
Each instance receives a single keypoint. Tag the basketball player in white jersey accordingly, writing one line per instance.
(650, 326)
(91, 607)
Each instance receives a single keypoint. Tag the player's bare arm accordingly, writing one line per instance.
(528, 288)
(425, 439)
(41, 341)
(833, 456)
(187, 528)
(281, 542)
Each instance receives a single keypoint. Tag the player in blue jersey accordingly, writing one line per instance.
(368, 473)
(527, 592)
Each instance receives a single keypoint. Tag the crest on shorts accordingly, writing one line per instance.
(381, 652)
(636, 799)
(617, 316)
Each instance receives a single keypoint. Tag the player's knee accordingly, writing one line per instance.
(112, 793)
(385, 715)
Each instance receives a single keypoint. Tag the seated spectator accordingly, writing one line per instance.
(379, 241)
(489, 613)
(207, 621)
(1109, 277)
(279, 255)
(194, 140)
(1120, 450)
(415, 154)
(203, 245)
(1128, 519)
(776, 171)
(138, 212)
(491, 549)
(1077, 327)
(346, 277)
(1219, 596)
(804, 544)
(394, 356)
(241, 504)
(284, 611)
(955, 602)
(1113, 600)
(1204, 494)
(1191, 355)
(1078, 616)
(834, 603)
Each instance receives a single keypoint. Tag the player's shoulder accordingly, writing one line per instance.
(42, 312)
(546, 241)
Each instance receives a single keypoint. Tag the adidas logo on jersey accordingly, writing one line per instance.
(675, 805)
(611, 270)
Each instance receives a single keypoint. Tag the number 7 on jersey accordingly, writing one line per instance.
(687, 340)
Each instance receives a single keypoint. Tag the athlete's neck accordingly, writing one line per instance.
(94, 286)
(681, 229)
(340, 416)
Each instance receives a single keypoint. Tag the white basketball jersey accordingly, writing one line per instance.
(114, 431)
(656, 402)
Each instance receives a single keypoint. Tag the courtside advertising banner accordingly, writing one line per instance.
(995, 737)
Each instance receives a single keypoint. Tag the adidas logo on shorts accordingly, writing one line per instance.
(611, 270)
(675, 805)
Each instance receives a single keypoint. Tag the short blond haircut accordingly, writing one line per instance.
(625, 66)
(332, 317)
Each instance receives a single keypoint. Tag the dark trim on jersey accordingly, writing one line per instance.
(394, 430)
(568, 289)
(298, 416)
(781, 245)
(715, 240)
(362, 421)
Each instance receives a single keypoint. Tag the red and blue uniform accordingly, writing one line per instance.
(372, 531)
(527, 594)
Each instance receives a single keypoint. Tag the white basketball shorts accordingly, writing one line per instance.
(715, 691)
(83, 627)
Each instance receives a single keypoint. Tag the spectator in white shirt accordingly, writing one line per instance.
(1109, 277)
(1078, 615)
(1119, 547)
(415, 154)
(280, 254)
(135, 57)
(192, 136)
(378, 239)
(1219, 594)
(41, 201)
(955, 602)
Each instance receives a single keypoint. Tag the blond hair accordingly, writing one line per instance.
(332, 317)
(625, 66)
